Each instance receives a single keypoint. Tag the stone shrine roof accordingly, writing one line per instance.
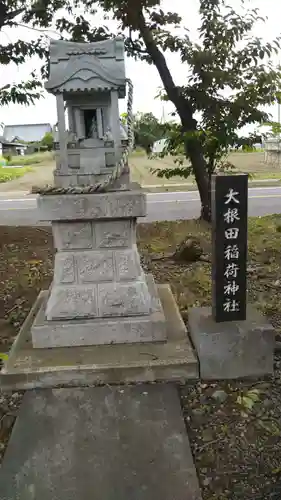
(79, 67)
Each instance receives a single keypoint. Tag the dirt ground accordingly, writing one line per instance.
(141, 172)
(234, 428)
(252, 163)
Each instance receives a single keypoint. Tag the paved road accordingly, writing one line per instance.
(19, 209)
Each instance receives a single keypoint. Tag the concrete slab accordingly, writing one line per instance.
(235, 349)
(28, 368)
(100, 443)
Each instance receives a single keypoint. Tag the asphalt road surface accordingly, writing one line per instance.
(20, 209)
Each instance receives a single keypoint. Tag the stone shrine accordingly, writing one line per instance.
(87, 80)
(103, 320)
(99, 293)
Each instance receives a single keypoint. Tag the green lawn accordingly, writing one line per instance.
(34, 159)
(9, 174)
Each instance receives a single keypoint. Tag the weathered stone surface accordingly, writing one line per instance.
(65, 180)
(106, 443)
(72, 235)
(91, 163)
(123, 299)
(117, 204)
(72, 302)
(27, 368)
(110, 159)
(127, 264)
(148, 328)
(65, 66)
(155, 302)
(95, 266)
(64, 268)
(116, 233)
(101, 331)
(77, 179)
(232, 349)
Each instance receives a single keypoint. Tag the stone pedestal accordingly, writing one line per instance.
(99, 294)
(233, 349)
(103, 321)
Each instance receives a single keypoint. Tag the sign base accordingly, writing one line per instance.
(232, 349)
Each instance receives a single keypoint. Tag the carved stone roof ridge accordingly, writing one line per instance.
(90, 70)
(86, 66)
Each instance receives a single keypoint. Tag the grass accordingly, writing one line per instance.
(33, 159)
(272, 174)
(9, 174)
(192, 282)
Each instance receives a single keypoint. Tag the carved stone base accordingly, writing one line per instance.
(108, 330)
(99, 294)
(98, 283)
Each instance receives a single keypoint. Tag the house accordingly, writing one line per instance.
(30, 132)
(11, 147)
(158, 146)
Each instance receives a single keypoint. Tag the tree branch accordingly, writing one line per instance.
(184, 108)
(134, 46)
(39, 30)
(160, 62)
(6, 16)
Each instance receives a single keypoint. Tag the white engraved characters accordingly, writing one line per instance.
(231, 196)
(231, 253)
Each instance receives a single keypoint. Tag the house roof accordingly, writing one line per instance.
(28, 125)
(87, 66)
(9, 143)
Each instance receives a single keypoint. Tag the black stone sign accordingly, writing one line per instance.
(229, 242)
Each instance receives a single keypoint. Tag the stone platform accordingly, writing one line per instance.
(102, 443)
(232, 349)
(28, 367)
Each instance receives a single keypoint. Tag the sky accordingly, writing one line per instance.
(144, 77)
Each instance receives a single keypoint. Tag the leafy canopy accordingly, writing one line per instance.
(147, 130)
(232, 79)
(48, 141)
(231, 73)
(47, 19)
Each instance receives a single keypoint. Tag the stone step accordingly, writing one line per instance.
(174, 360)
(104, 443)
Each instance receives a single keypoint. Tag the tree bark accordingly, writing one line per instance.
(184, 109)
(202, 181)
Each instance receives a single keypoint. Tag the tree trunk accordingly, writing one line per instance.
(202, 181)
(184, 109)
